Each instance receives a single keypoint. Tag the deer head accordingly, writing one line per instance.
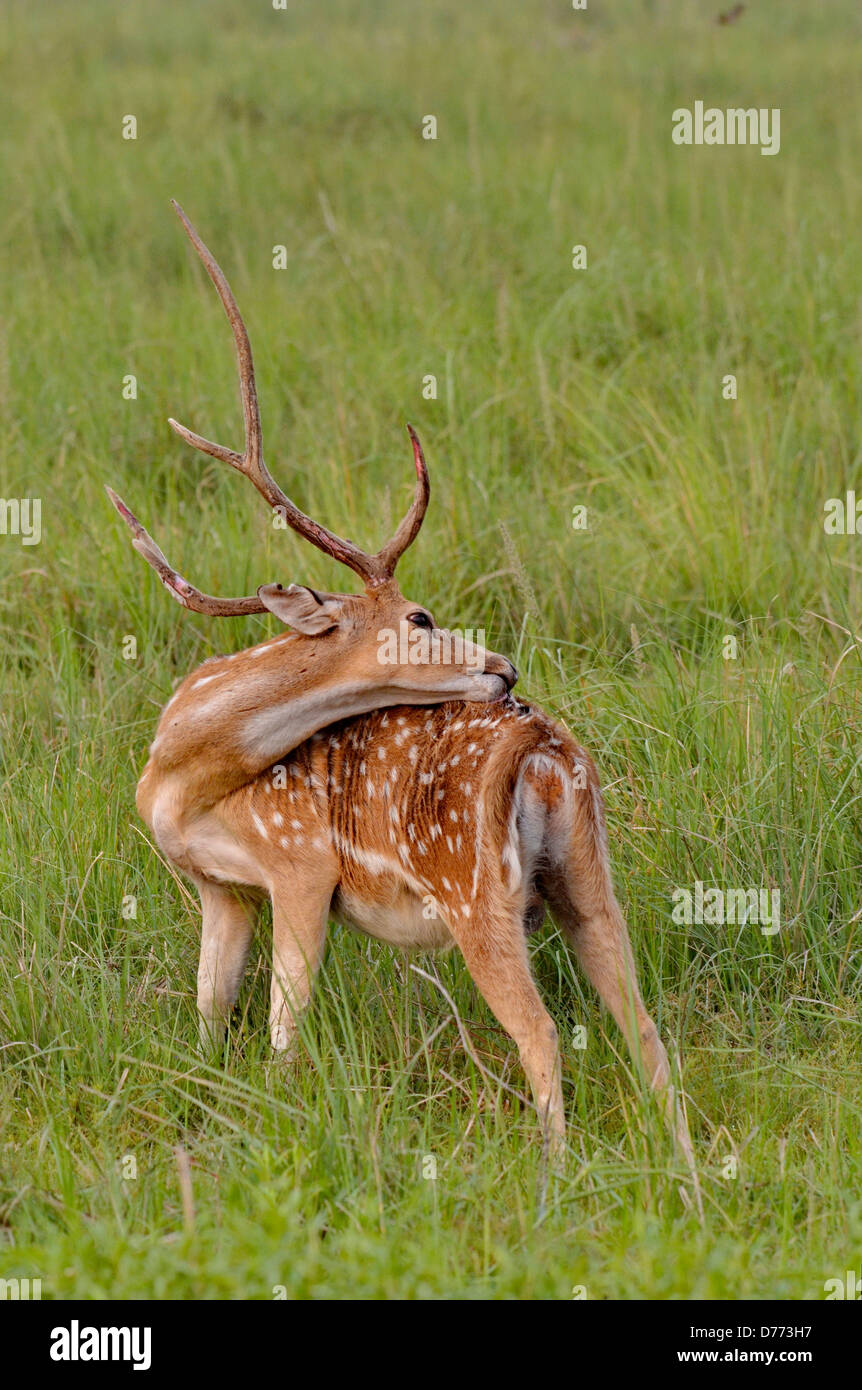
(333, 662)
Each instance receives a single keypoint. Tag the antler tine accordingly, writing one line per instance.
(407, 532)
(253, 455)
(251, 461)
(179, 588)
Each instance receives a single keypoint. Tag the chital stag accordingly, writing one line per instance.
(431, 822)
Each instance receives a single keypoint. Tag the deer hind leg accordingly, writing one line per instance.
(300, 912)
(228, 923)
(493, 941)
(494, 948)
(581, 897)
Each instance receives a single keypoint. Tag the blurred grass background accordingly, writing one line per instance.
(556, 388)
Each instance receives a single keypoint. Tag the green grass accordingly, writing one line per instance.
(555, 387)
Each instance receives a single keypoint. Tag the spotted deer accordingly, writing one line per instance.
(419, 803)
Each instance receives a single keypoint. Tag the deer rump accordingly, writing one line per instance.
(421, 817)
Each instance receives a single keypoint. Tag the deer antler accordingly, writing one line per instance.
(373, 569)
(179, 588)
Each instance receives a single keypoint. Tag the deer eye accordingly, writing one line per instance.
(420, 620)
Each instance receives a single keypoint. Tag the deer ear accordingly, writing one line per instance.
(303, 609)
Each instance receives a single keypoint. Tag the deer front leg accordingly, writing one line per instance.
(300, 911)
(495, 951)
(228, 922)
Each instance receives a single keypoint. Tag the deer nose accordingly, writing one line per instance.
(502, 667)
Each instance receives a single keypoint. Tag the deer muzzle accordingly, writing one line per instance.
(500, 666)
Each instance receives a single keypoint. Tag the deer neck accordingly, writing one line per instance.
(231, 717)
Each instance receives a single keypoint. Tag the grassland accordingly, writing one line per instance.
(556, 387)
